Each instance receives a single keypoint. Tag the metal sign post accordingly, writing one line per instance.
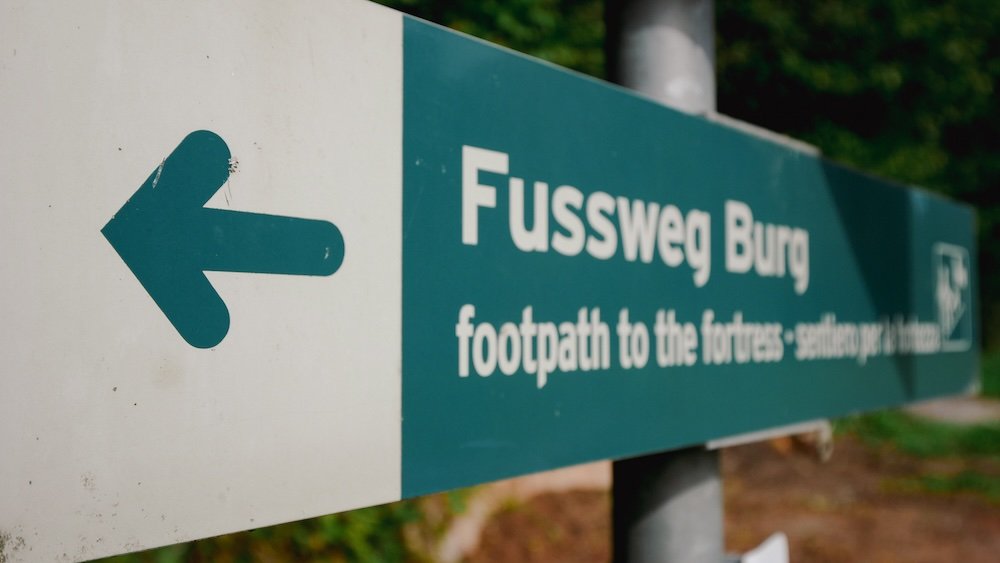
(667, 506)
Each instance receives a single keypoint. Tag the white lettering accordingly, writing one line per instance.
(536, 238)
(771, 250)
(563, 199)
(474, 194)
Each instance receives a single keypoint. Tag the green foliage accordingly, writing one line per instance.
(991, 375)
(569, 33)
(962, 445)
(457, 500)
(368, 535)
(883, 85)
(924, 438)
(963, 482)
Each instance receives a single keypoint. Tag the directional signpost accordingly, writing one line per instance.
(530, 269)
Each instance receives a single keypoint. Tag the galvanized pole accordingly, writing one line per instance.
(667, 506)
(664, 49)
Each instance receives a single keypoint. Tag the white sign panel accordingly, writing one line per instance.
(115, 433)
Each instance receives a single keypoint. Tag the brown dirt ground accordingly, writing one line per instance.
(856, 507)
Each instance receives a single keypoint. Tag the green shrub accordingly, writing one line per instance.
(924, 438)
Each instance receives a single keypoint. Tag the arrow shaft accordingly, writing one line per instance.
(236, 241)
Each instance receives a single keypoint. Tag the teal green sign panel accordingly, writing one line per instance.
(588, 274)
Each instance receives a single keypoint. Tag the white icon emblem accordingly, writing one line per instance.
(952, 295)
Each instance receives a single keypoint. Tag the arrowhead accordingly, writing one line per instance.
(149, 234)
(166, 236)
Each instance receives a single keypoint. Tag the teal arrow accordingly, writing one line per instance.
(168, 238)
